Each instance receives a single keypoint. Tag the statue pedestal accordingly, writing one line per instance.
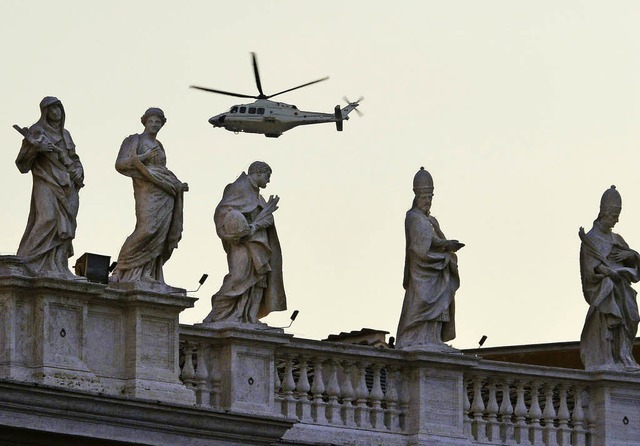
(244, 361)
(615, 402)
(436, 383)
(85, 336)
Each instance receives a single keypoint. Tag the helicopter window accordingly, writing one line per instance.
(260, 111)
(243, 109)
(234, 109)
(252, 110)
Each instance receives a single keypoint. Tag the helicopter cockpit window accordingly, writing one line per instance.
(260, 111)
(243, 109)
(234, 109)
(294, 107)
(252, 110)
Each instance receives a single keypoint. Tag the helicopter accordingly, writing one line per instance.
(272, 118)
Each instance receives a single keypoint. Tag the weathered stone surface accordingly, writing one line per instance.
(608, 267)
(33, 414)
(430, 275)
(49, 153)
(84, 336)
(158, 197)
(244, 221)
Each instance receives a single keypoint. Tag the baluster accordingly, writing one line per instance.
(375, 397)
(564, 433)
(318, 408)
(348, 395)
(362, 393)
(392, 419)
(333, 393)
(549, 416)
(520, 411)
(302, 391)
(288, 386)
(188, 373)
(466, 408)
(215, 378)
(506, 410)
(405, 397)
(277, 384)
(203, 394)
(493, 428)
(477, 410)
(535, 414)
(577, 418)
(590, 418)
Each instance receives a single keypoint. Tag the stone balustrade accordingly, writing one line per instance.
(342, 393)
(527, 405)
(360, 388)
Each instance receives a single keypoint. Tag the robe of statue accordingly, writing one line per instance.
(611, 323)
(158, 197)
(430, 282)
(253, 287)
(57, 177)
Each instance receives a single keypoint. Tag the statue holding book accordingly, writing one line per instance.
(244, 222)
(607, 268)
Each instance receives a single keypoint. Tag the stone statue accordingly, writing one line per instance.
(158, 199)
(430, 275)
(50, 154)
(244, 221)
(607, 268)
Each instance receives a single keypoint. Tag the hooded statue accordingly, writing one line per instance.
(49, 153)
(244, 222)
(430, 275)
(607, 268)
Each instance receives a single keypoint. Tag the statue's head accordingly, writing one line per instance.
(610, 207)
(260, 173)
(153, 111)
(52, 111)
(423, 189)
(153, 120)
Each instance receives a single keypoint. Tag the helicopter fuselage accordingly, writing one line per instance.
(270, 118)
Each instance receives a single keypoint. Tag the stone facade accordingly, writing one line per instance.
(86, 363)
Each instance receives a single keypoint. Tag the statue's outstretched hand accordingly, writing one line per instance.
(453, 245)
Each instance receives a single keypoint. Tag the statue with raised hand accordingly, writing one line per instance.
(50, 154)
(607, 268)
(244, 222)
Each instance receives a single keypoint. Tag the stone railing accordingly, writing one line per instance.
(392, 397)
(357, 387)
(527, 405)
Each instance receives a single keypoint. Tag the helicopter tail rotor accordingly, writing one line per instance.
(342, 114)
(356, 103)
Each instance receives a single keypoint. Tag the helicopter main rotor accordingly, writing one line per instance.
(258, 84)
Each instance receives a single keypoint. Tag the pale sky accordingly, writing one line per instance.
(523, 112)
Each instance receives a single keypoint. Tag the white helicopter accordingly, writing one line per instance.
(271, 118)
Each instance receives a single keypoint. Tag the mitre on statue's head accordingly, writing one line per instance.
(422, 182)
(611, 201)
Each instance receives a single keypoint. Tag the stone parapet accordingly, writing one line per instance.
(52, 416)
(85, 336)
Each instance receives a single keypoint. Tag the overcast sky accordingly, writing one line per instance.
(523, 112)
